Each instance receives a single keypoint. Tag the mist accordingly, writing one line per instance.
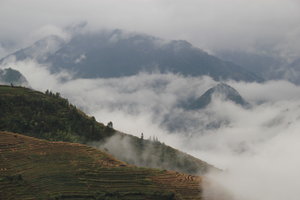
(256, 147)
(270, 26)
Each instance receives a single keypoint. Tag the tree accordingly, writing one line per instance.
(110, 124)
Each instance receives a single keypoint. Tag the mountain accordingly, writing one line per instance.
(48, 116)
(292, 72)
(266, 66)
(10, 76)
(221, 90)
(116, 54)
(263, 65)
(184, 116)
(38, 169)
(295, 64)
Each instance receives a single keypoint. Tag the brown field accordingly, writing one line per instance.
(32, 168)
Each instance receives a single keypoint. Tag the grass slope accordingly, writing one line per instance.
(32, 168)
(48, 116)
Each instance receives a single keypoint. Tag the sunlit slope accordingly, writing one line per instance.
(31, 168)
(48, 116)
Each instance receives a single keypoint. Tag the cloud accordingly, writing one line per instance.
(38, 75)
(50, 30)
(269, 92)
(270, 26)
(272, 173)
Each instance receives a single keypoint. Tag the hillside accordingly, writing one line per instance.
(154, 154)
(117, 53)
(48, 116)
(37, 169)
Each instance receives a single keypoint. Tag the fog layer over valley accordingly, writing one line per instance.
(256, 146)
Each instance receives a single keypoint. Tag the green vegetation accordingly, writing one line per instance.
(37, 169)
(46, 116)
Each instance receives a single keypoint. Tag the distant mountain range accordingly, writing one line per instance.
(116, 54)
(266, 66)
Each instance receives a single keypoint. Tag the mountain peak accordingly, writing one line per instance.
(221, 90)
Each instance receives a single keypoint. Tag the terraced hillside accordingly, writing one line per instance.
(48, 116)
(32, 168)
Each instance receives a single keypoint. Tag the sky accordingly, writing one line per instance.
(269, 26)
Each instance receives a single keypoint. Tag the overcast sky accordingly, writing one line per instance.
(264, 25)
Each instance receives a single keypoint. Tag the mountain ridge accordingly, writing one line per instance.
(115, 54)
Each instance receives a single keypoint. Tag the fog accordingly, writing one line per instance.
(270, 26)
(256, 147)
